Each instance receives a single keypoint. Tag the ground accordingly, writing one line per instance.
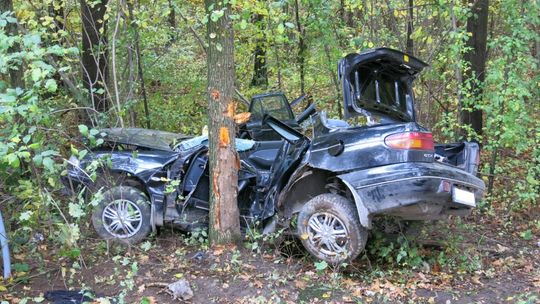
(476, 260)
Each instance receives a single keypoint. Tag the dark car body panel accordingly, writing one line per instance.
(388, 188)
(363, 147)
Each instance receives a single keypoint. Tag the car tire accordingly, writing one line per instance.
(123, 215)
(330, 230)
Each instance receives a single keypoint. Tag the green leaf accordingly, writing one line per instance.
(243, 24)
(48, 163)
(25, 216)
(21, 267)
(51, 85)
(526, 235)
(146, 246)
(322, 265)
(75, 210)
(216, 15)
(83, 129)
(36, 74)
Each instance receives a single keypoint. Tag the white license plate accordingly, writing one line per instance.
(464, 197)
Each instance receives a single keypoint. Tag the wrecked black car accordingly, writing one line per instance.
(328, 188)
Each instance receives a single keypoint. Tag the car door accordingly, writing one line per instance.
(274, 104)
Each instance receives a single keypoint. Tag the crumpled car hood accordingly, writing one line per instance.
(152, 139)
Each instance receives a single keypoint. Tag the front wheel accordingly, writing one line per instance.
(330, 230)
(122, 215)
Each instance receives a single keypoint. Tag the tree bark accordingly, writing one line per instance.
(224, 163)
(15, 76)
(477, 25)
(410, 19)
(171, 18)
(140, 72)
(94, 53)
(260, 71)
(301, 56)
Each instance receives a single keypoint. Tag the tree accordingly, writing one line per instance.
(410, 23)
(94, 52)
(15, 75)
(260, 72)
(223, 159)
(476, 58)
(301, 55)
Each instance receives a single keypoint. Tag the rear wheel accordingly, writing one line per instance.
(330, 230)
(123, 214)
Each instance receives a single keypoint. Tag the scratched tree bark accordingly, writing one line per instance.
(224, 216)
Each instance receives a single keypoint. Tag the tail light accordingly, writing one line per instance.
(410, 141)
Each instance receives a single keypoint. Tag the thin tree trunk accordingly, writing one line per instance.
(140, 68)
(260, 71)
(114, 67)
(410, 20)
(56, 11)
(15, 76)
(334, 80)
(94, 53)
(477, 25)
(172, 21)
(301, 47)
(223, 159)
(457, 66)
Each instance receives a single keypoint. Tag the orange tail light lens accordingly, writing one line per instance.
(410, 141)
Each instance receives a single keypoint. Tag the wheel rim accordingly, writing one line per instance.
(122, 218)
(327, 234)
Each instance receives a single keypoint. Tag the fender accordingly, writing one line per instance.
(363, 212)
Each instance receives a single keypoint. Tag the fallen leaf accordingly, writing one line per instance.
(501, 248)
(301, 284)
(141, 288)
(476, 280)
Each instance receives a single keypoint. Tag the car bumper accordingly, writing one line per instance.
(414, 191)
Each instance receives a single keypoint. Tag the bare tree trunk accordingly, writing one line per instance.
(140, 68)
(114, 66)
(56, 11)
(477, 25)
(94, 53)
(224, 162)
(410, 20)
(457, 66)
(260, 71)
(172, 21)
(334, 80)
(301, 47)
(15, 76)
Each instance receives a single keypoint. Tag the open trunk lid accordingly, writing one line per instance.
(378, 82)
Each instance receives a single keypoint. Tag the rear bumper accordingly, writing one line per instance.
(413, 191)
